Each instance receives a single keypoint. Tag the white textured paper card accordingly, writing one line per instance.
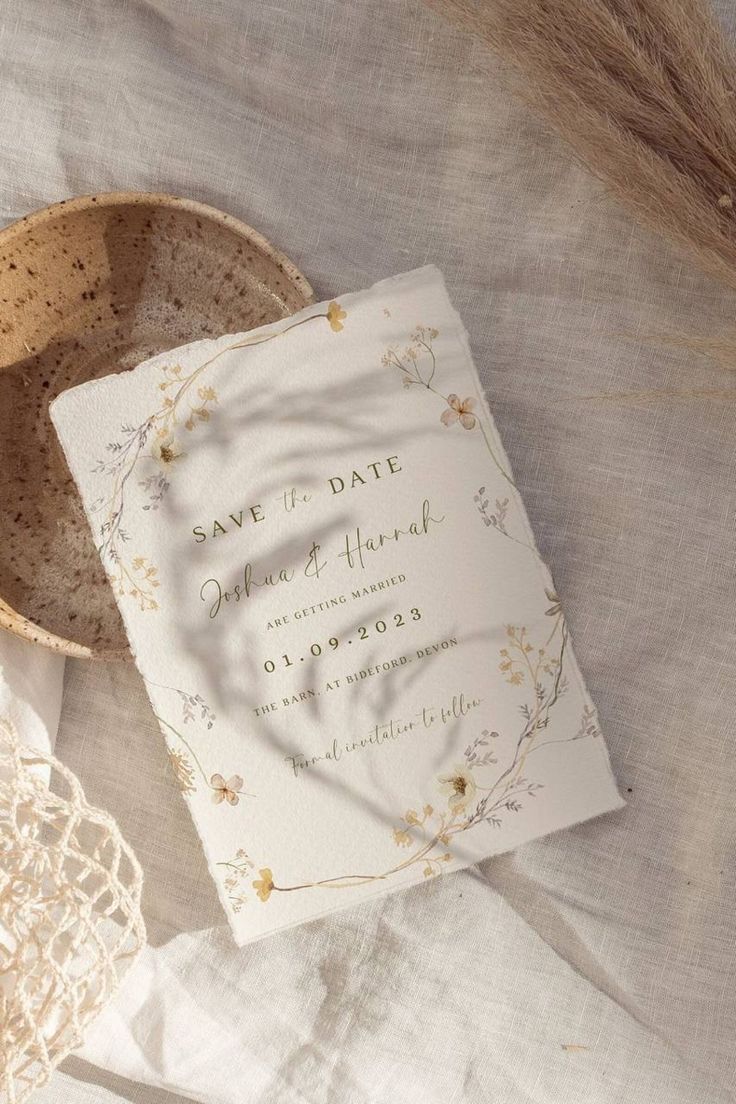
(358, 661)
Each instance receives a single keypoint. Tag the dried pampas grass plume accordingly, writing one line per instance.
(645, 92)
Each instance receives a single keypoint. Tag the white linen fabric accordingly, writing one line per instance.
(366, 139)
(31, 681)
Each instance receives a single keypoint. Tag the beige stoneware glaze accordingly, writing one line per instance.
(87, 287)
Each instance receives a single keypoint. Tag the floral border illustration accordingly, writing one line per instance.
(186, 403)
(476, 790)
(471, 792)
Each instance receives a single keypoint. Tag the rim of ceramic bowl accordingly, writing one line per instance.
(10, 620)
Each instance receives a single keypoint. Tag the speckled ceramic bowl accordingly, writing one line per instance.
(87, 287)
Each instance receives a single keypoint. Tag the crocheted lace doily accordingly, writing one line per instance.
(70, 920)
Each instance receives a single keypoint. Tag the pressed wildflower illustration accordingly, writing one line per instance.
(156, 443)
(418, 366)
(166, 453)
(336, 316)
(458, 786)
(185, 762)
(418, 362)
(236, 870)
(182, 769)
(459, 410)
(226, 790)
(521, 662)
(263, 885)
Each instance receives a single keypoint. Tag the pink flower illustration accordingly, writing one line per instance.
(459, 410)
(226, 791)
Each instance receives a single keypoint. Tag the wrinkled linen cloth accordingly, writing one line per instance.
(596, 965)
(31, 684)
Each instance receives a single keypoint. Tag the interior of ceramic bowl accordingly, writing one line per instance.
(89, 287)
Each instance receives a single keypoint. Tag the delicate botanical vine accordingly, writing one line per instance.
(418, 367)
(521, 661)
(186, 764)
(498, 518)
(186, 402)
(236, 871)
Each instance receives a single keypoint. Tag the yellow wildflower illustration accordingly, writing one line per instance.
(335, 315)
(263, 885)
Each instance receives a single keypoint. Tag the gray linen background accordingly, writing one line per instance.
(364, 139)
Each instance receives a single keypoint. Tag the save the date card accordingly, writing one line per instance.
(357, 658)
